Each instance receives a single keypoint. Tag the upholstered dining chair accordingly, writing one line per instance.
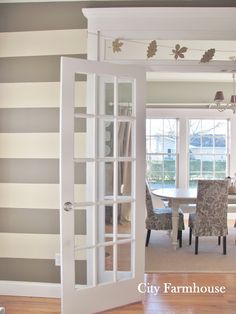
(160, 218)
(210, 218)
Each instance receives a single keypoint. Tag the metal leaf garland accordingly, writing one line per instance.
(208, 55)
(152, 49)
(117, 44)
(179, 51)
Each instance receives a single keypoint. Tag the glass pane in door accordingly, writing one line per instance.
(124, 257)
(84, 189)
(125, 97)
(106, 95)
(105, 132)
(83, 246)
(125, 138)
(84, 93)
(124, 178)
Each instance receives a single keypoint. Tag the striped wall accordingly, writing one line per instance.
(33, 36)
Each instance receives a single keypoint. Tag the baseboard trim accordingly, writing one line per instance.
(30, 289)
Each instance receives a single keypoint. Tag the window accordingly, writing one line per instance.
(185, 145)
(208, 149)
(161, 146)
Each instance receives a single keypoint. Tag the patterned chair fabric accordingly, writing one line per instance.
(210, 218)
(160, 218)
(191, 220)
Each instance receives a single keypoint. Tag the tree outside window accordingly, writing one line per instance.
(208, 150)
(161, 146)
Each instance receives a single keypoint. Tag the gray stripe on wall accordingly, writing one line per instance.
(49, 16)
(80, 173)
(33, 69)
(41, 16)
(35, 120)
(37, 270)
(29, 170)
(30, 120)
(24, 170)
(37, 221)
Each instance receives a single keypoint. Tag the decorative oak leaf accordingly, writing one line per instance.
(116, 45)
(179, 51)
(208, 55)
(152, 49)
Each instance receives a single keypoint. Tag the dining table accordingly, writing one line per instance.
(179, 198)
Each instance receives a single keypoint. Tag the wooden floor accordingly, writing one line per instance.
(159, 304)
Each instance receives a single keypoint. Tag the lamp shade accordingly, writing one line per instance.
(219, 96)
(233, 99)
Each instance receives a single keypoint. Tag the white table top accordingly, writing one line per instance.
(176, 193)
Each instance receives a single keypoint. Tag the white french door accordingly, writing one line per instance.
(102, 171)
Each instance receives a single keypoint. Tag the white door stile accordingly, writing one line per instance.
(115, 181)
(95, 268)
(66, 173)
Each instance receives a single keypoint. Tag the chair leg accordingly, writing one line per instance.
(180, 237)
(219, 240)
(190, 236)
(148, 236)
(224, 245)
(196, 245)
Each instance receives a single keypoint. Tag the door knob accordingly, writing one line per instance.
(68, 206)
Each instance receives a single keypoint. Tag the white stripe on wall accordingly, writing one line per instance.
(29, 145)
(36, 145)
(38, 246)
(29, 195)
(44, 196)
(40, 95)
(40, 43)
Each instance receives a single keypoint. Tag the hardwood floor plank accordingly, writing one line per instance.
(186, 303)
(162, 303)
(30, 305)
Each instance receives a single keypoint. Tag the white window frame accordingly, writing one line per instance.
(183, 116)
(227, 153)
(177, 147)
